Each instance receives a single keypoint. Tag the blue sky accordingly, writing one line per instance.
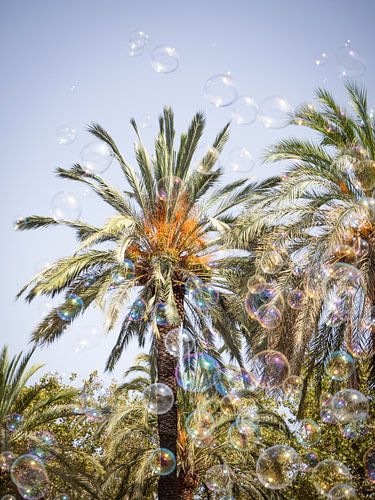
(49, 48)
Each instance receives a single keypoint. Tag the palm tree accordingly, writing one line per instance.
(131, 441)
(312, 229)
(158, 239)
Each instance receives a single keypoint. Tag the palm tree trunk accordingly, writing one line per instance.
(187, 494)
(168, 488)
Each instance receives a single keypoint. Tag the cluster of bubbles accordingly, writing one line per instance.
(348, 59)
(204, 295)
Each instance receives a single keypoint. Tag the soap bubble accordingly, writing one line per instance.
(321, 59)
(309, 461)
(146, 121)
(220, 90)
(292, 387)
(6, 460)
(295, 299)
(170, 188)
(350, 62)
(62, 496)
(273, 112)
(205, 297)
(89, 337)
(162, 462)
(339, 365)
(137, 310)
(192, 284)
(261, 295)
(241, 160)
(28, 471)
(34, 492)
(219, 478)
(158, 398)
(65, 134)
(326, 412)
(96, 157)
(199, 425)
(138, 39)
(345, 275)
(164, 59)
(8, 497)
(271, 368)
(161, 317)
(179, 341)
(308, 432)
(72, 306)
(205, 159)
(355, 429)
(349, 405)
(328, 474)
(269, 317)
(369, 464)
(243, 436)
(13, 421)
(271, 262)
(254, 281)
(277, 467)
(342, 491)
(65, 206)
(128, 269)
(244, 110)
(230, 404)
(41, 443)
(197, 372)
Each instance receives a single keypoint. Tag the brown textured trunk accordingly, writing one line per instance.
(168, 488)
(187, 494)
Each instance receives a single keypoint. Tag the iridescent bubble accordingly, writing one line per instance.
(179, 341)
(72, 306)
(206, 159)
(8, 497)
(28, 471)
(6, 460)
(205, 297)
(346, 275)
(196, 372)
(369, 464)
(65, 206)
(349, 405)
(342, 491)
(339, 365)
(326, 412)
(219, 478)
(244, 110)
(199, 425)
(239, 379)
(254, 281)
(292, 387)
(271, 368)
(158, 398)
(137, 310)
(128, 269)
(164, 59)
(277, 467)
(261, 295)
(241, 160)
(192, 284)
(62, 496)
(13, 421)
(230, 404)
(161, 316)
(271, 262)
(65, 134)
(269, 317)
(274, 112)
(309, 460)
(162, 462)
(295, 299)
(355, 430)
(220, 90)
(146, 121)
(350, 62)
(170, 188)
(321, 59)
(96, 157)
(33, 492)
(243, 436)
(328, 474)
(308, 432)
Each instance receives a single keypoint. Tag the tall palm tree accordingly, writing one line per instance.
(312, 229)
(158, 239)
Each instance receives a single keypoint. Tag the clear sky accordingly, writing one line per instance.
(66, 63)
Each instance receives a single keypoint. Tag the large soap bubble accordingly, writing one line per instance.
(308, 432)
(65, 206)
(328, 474)
(343, 492)
(65, 135)
(274, 112)
(28, 471)
(6, 460)
(164, 59)
(179, 341)
(350, 61)
(96, 157)
(199, 425)
(244, 110)
(158, 398)
(219, 478)
(162, 462)
(271, 368)
(277, 466)
(339, 365)
(220, 90)
(349, 405)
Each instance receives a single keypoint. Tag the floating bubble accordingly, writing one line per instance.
(162, 462)
(197, 372)
(28, 471)
(261, 295)
(6, 460)
(230, 404)
(219, 478)
(321, 59)
(350, 62)
(128, 269)
(342, 491)
(13, 421)
(328, 474)
(42, 442)
(158, 398)
(309, 461)
(220, 90)
(146, 121)
(355, 430)
(8, 497)
(137, 310)
(277, 467)
(244, 110)
(254, 281)
(295, 299)
(138, 39)
(199, 425)
(349, 405)
(247, 412)
(271, 368)
(179, 341)
(292, 387)
(205, 297)
(274, 112)
(308, 432)
(193, 284)
(170, 188)
(62, 496)
(369, 464)
(271, 262)
(161, 316)
(96, 157)
(72, 306)
(65, 135)
(244, 436)
(326, 412)
(65, 206)
(269, 317)
(339, 365)
(346, 275)
(89, 338)
(241, 160)
(206, 159)
(164, 59)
